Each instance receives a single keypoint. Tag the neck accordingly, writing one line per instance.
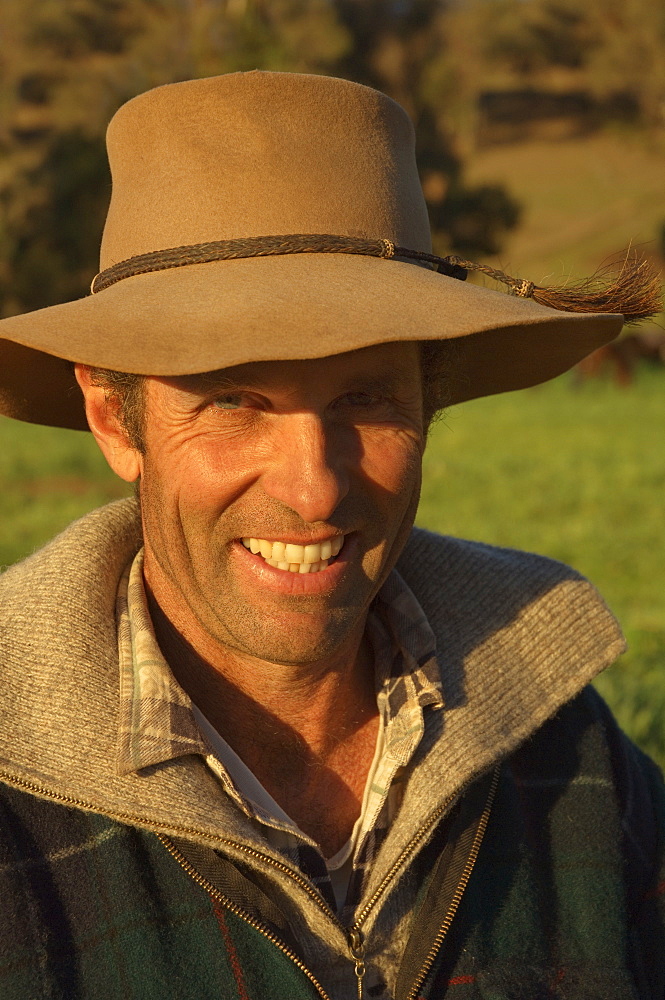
(306, 731)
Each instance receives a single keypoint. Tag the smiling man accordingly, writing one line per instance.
(276, 498)
(261, 738)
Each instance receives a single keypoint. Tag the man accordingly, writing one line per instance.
(261, 738)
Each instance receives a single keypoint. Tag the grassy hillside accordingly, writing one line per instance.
(48, 477)
(582, 200)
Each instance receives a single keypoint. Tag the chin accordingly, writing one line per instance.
(293, 646)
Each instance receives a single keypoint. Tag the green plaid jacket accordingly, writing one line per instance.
(565, 899)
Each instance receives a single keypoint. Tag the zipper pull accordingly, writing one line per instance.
(357, 948)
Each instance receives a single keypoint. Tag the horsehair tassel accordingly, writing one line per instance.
(628, 284)
(632, 286)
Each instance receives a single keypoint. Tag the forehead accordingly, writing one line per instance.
(389, 365)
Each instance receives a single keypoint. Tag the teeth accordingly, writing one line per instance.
(278, 551)
(312, 553)
(295, 558)
(295, 553)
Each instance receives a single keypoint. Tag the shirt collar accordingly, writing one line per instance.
(407, 673)
(156, 721)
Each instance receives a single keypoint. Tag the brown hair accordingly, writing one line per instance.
(441, 369)
(125, 391)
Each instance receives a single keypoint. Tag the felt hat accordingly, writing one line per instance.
(203, 173)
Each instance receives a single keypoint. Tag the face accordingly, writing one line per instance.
(277, 496)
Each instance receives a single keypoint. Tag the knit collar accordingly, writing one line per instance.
(517, 637)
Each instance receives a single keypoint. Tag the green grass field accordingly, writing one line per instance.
(577, 474)
(574, 473)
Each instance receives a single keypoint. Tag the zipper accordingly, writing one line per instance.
(354, 933)
(459, 891)
(410, 849)
(242, 914)
(141, 821)
(357, 948)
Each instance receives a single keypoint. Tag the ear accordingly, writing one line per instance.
(102, 413)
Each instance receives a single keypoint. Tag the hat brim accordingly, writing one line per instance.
(202, 317)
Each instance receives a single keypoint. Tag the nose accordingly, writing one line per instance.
(308, 469)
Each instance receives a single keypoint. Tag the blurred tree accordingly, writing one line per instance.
(611, 50)
(67, 65)
(528, 37)
(628, 56)
(475, 219)
(53, 177)
(402, 48)
(56, 246)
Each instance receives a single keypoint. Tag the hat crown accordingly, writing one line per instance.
(257, 154)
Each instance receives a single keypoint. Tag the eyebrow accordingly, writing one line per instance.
(205, 382)
(385, 377)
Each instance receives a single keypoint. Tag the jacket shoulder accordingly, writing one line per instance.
(91, 549)
(447, 573)
(444, 551)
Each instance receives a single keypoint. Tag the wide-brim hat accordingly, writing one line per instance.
(204, 172)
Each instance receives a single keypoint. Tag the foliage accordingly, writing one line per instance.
(609, 49)
(67, 65)
(627, 57)
(475, 219)
(530, 37)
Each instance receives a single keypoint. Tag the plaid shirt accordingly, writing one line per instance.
(157, 722)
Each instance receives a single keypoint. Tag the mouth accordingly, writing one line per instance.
(292, 557)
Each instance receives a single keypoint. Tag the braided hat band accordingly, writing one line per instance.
(634, 291)
(267, 246)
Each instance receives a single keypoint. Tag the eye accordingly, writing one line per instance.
(230, 401)
(359, 399)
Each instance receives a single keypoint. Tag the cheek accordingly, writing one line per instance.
(394, 471)
(393, 463)
(203, 476)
